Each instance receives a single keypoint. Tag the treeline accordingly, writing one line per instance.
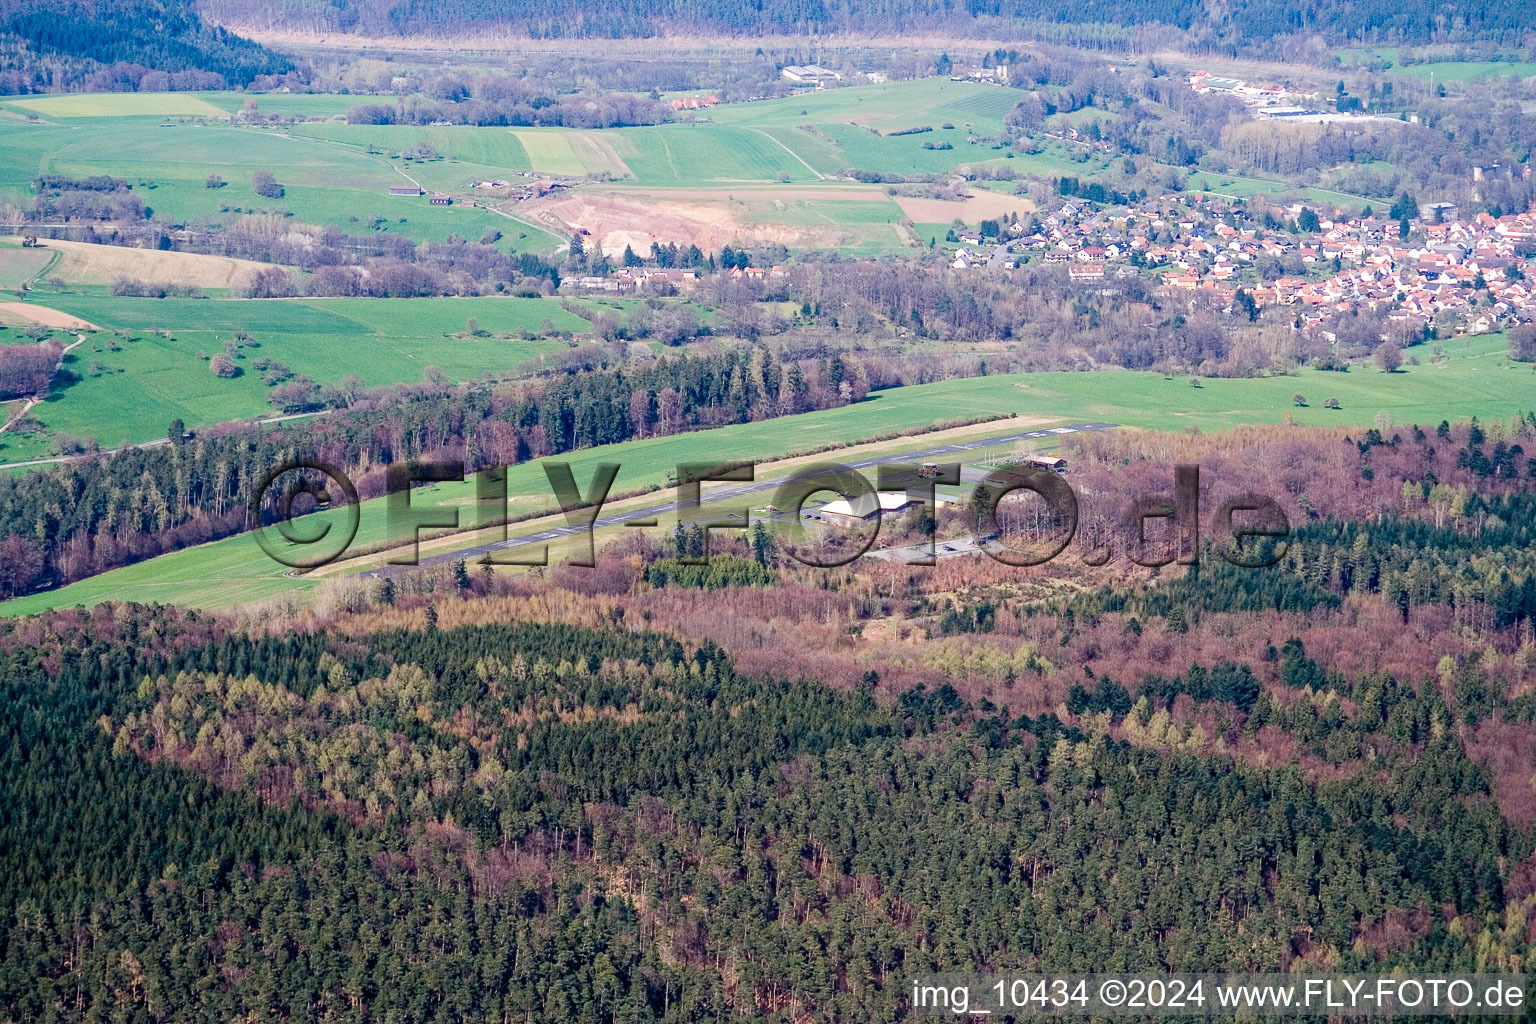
(97, 197)
(73, 520)
(380, 265)
(1088, 22)
(1427, 521)
(499, 101)
(1052, 323)
(26, 369)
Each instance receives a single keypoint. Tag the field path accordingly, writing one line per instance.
(401, 171)
(344, 146)
(27, 406)
(525, 223)
(797, 156)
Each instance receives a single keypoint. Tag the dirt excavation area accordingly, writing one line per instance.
(803, 217)
(818, 216)
(25, 312)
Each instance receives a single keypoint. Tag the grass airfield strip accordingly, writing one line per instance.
(1477, 379)
(235, 571)
(959, 442)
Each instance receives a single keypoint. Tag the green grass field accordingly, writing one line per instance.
(1240, 187)
(133, 392)
(338, 173)
(498, 148)
(1474, 380)
(888, 107)
(294, 104)
(19, 266)
(752, 142)
(28, 150)
(118, 104)
(865, 228)
(326, 179)
(1447, 70)
(904, 154)
(686, 154)
(549, 151)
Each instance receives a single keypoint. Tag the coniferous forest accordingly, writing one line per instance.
(1245, 23)
(564, 824)
(778, 783)
(642, 792)
(123, 44)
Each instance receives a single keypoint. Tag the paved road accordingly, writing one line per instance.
(912, 554)
(648, 515)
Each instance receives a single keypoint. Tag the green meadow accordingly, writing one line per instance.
(1240, 187)
(491, 147)
(18, 265)
(1467, 71)
(294, 104)
(325, 180)
(550, 151)
(118, 104)
(337, 173)
(1474, 379)
(868, 228)
(128, 390)
(706, 154)
(1439, 64)
(890, 107)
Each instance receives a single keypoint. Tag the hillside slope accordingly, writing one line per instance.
(118, 44)
(1238, 23)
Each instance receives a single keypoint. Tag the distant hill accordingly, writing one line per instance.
(1235, 23)
(113, 44)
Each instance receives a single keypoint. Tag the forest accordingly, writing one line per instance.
(590, 796)
(1245, 24)
(118, 45)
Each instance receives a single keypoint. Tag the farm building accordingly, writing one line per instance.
(680, 279)
(810, 74)
(867, 507)
(441, 200)
(404, 190)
